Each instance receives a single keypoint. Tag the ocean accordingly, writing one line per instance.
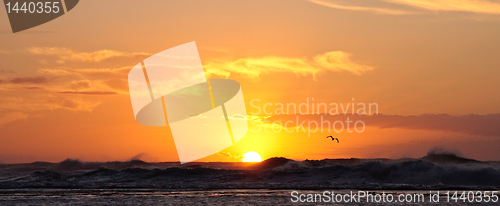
(276, 181)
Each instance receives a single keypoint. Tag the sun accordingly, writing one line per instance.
(251, 157)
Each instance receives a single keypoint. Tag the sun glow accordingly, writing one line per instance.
(251, 157)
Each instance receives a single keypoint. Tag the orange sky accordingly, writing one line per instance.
(64, 93)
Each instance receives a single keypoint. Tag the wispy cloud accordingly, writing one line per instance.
(98, 73)
(46, 102)
(68, 87)
(89, 93)
(26, 80)
(484, 125)
(33, 88)
(477, 6)
(12, 116)
(90, 79)
(359, 8)
(16, 104)
(29, 80)
(236, 158)
(254, 67)
(67, 54)
(340, 61)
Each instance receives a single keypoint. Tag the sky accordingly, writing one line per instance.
(432, 68)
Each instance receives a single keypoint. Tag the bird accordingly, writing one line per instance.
(333, 138)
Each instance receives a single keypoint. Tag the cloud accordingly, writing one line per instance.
(75, 84)
(26, 80)
(99, 73)
(358, 8)
(477, 6)
(339, 61)
(66, 54)
(237, 158)
(46, 102)
(485, 125)
(473, 124)
(90, 93)
(29, 80)
(254, 67)
(73, 104)
(12, 116)
(33, 88)
(90, 79)
(80, 84)
(22, 105)
(115, 78)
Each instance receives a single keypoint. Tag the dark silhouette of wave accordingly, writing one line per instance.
(270, 163)
(446, 158)
(437, 170)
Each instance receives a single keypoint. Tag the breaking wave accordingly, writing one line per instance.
(434, 171)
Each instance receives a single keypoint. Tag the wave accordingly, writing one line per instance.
(434, 171)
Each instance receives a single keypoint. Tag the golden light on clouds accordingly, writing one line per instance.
(254, 67)
(478, 6)
(359, 8)
(335, 61)
(47, 102)
(340, 61)
(67, 54)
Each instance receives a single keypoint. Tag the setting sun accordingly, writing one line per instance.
(251, 157)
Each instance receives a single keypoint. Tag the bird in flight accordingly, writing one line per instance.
(333, 138)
